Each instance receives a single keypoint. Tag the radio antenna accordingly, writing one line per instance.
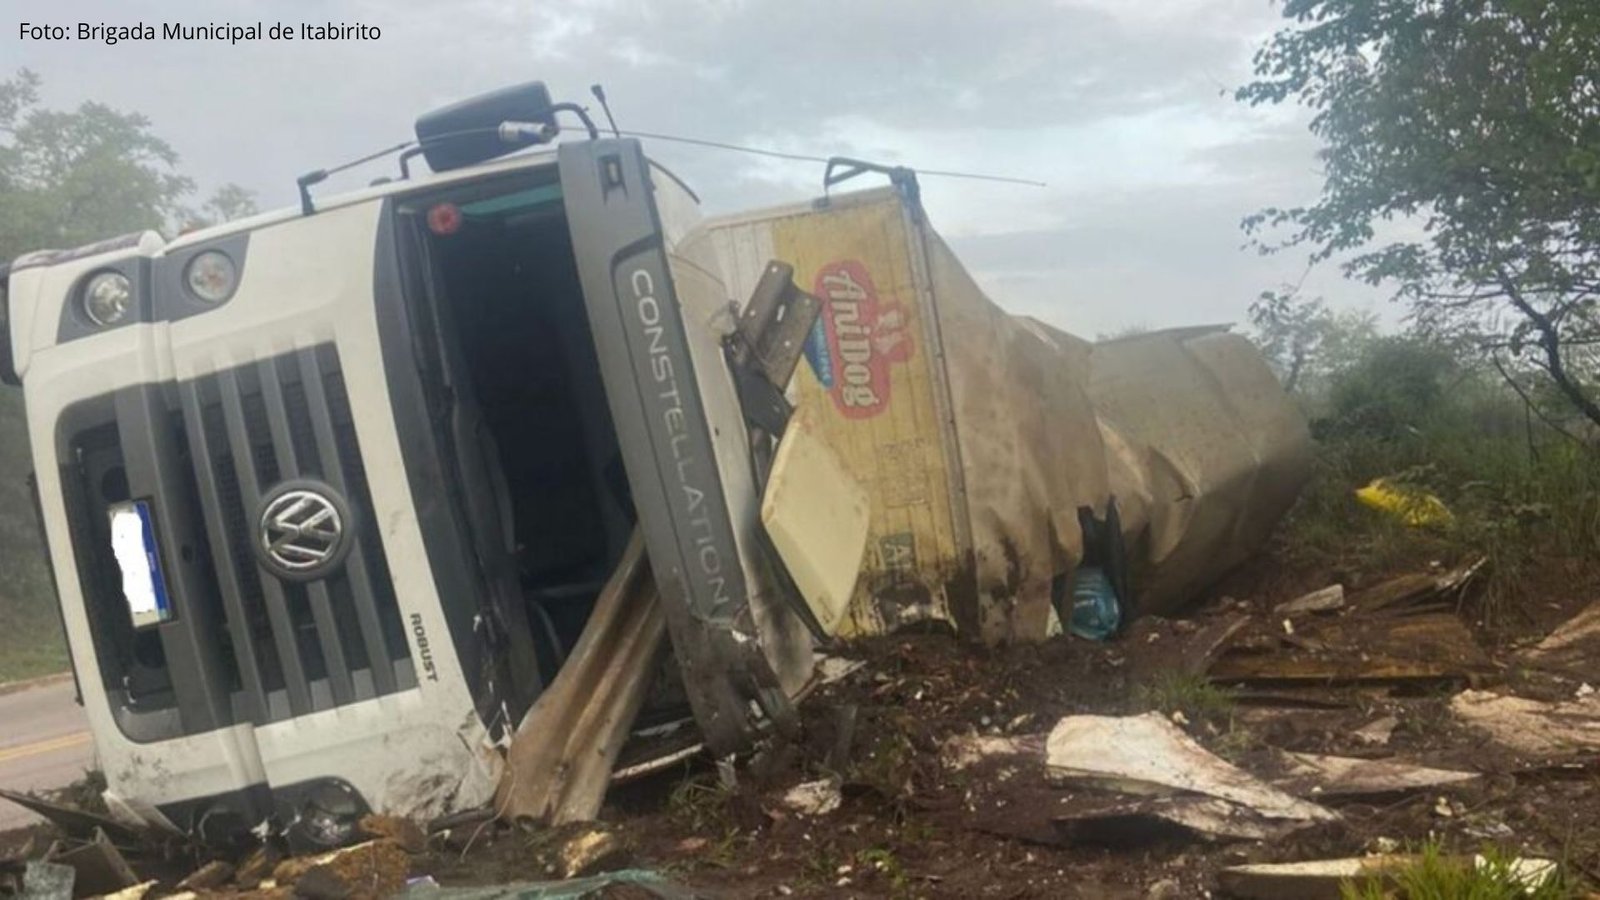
(599, 93)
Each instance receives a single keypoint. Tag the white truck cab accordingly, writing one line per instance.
(330, 491)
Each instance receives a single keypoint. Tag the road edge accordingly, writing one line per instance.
(13, 687)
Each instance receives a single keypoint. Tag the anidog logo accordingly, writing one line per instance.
(862, 339)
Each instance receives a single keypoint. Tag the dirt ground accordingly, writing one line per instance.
(908, 826)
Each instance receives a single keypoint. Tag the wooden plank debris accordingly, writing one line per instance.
(1327, 599)
(1202, 648)
(1573, 646)
(1430, 647)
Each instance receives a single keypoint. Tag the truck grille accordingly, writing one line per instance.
(244, 645)
(296, 647)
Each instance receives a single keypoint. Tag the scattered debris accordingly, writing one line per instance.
(1122, 821)
(1165, 889)
(1327, 599)
(408, 834)
(560, 760)
(1409, 504)
(967, 750)
(1310, 774)
(98, 863)
(46, 881)
(1574, 645)
(1529, 873)
(208, 877)
(372, 869)
(1377, 732)
(1325, 879)
(1153, 756)
(589, 851)
(1530, 726)
(257, 866)
(1202, 649)
(1320, 879)
(75, 822)
(814, 798)
(621, 883)
(131, 892)
(1416, 592)
(1430, 647)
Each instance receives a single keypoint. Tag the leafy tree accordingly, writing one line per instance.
(71, 177)
(1306, 342)
(229, 202)
(1461, 152)
(68, 178)
(1395, 384)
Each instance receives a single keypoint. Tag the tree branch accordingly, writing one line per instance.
(1528, 401)
(1550, 341)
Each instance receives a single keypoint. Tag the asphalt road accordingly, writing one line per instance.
(44, 743)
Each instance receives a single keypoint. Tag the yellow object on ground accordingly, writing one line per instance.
(1411, 505)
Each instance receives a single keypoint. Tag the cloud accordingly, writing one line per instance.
(1118, 105)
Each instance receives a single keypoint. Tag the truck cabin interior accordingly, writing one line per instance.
(525, 408)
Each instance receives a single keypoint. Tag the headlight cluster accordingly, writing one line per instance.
(210, 277)
(107, 298)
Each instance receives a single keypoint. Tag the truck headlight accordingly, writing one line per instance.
(107, 298)
(211, 276)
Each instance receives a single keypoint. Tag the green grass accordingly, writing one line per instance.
(1198, 699)
(31, 643)
(30, 631)
(1438, 876)
(702, 803)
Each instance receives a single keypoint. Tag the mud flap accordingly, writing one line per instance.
(661, 425)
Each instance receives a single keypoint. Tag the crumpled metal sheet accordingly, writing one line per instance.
(1187, 428)
(1222, 452)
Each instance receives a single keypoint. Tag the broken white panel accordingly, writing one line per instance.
(1211, 819)
(1319, 879)
(1529, 872)
(1148, 754)
(1530, 726)
(1344, 776)
(817, 515)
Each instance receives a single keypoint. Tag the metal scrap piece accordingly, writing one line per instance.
(560, 760)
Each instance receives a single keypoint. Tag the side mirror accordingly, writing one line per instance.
(468, 132)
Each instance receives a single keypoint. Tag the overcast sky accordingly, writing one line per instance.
(1121, 106)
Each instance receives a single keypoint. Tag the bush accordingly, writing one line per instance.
(1408, 411)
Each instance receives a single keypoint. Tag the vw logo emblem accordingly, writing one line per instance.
(303, 530)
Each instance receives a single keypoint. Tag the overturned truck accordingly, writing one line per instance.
(341, 499)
